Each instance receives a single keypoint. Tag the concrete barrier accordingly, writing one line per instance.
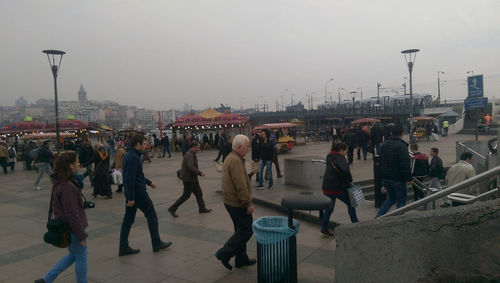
(460, 244)
(301, 171)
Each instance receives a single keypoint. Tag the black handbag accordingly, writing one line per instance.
(87, 203)
(59, 232)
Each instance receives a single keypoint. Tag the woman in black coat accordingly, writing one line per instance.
(102, 178)
(336, 181)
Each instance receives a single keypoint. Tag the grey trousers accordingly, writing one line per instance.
(42, 168)
(435, 183)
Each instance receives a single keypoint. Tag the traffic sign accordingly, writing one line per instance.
(478, 102)
(475, 86)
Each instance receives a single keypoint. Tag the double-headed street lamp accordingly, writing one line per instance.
(53, 55)
(410, 55)
(439, 86)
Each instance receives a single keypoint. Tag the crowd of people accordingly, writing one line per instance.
(399, 162)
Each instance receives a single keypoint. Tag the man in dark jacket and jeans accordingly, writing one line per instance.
(85, 157)
(395, 170)
(134, 183)
(45, 156)
(189, 176)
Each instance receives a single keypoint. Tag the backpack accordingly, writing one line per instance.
(12, 152)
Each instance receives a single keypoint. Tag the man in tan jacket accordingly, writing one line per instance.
(237, 195)
(462, 171)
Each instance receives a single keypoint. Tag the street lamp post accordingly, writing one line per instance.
(410, 55)
(353, 93)
(326, 85)
(340, 88)
(378, 93)
(53, 55)
(471, 72)
(439, 87)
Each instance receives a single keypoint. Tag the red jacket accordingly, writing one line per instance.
(67, 204)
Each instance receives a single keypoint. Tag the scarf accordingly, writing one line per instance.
(103, 155)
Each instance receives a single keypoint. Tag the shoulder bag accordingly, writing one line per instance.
(59, 233)
(355, 193)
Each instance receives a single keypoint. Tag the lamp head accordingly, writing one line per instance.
(54, 64)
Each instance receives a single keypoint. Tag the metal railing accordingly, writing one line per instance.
(457, 187)
(472, 150)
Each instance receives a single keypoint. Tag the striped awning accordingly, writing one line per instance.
(366, 121)
(275, 126)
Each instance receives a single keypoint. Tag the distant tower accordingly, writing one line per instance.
(82, 95)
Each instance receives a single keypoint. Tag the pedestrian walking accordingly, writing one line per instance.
(337, 179)
(437, 173)
(156, 146)
(102, 178)
(165, 143)
(219, 141)
(28, 147)
(462, 171)
(362, 139)
(377, 136)
(136, 197)
(85, 157)
(12, 157)
(67, 205)
(189, 176)
(120, 153)
(44, 157)
(255, 157)
(395, 169)
(446, 125)
(419, 169)
(4, 156)
(266, 152)
(237, 195)
(350, 140)
(226, 147)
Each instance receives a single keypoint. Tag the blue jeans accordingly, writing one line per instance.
(344, 197)
(397, 192)
(78, 255)
(166, 148)
(269, 167)
(42, 168)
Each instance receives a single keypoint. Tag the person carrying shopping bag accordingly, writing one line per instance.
(336, 181)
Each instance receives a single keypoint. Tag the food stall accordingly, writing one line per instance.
(285, 141)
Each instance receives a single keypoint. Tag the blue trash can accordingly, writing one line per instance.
(276, 249)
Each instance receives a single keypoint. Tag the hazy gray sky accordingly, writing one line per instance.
(162, 53)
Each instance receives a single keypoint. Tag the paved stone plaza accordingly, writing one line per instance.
(196, 237)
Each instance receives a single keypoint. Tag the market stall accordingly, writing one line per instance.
(285, 141)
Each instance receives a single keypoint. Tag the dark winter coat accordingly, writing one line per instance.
(377, 134)
(255, 149)
(362, 137)
(437, 168)
(266, 150)
(395, 160)
(134, 181)
(189, 170)
(350, 139)
(86, 155)
(44, 155)
(67, 204)
(336, 179)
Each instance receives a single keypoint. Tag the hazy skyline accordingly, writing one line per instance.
(162, 54)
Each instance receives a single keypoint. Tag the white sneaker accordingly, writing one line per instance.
(260, 188)
(36, 188)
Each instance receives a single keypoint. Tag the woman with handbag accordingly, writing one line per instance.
(120, 153)
(67, 204)
(336, 181)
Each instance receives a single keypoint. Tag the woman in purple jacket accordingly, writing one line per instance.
(67, 204)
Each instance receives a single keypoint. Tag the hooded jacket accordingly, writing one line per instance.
(67, 204)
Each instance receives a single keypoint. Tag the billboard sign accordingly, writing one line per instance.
(478, 102)
(475, 86)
